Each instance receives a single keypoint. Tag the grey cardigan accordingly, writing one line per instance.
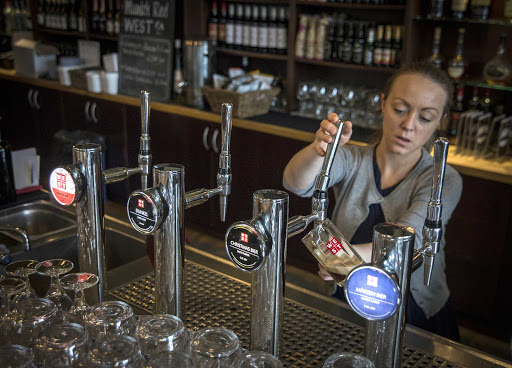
(354, 185)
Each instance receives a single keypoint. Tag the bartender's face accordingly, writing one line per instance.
(411, 112)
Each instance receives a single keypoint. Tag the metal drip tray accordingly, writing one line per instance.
(309, 336)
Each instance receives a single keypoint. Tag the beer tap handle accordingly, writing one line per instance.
(145, 156)
(432, 230)
(322, 181)
(224, 173)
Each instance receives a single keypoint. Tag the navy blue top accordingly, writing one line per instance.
(364, 233)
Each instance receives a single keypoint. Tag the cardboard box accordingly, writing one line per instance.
(33, 59)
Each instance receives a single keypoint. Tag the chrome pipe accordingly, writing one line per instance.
(224, 173)
(322, 181)
(90, 220)
(170, 241)
(119, 174)
(297, 224)
(393, 246)
(18, 230)
(145, 157)
(268, 282)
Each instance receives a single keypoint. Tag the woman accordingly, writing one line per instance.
(391, 181)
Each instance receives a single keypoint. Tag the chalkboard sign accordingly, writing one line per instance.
(146, 48)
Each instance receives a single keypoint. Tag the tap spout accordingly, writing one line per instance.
(224, 173)
(18, 230)
(432, 229)
(145, 157)
(298, 224)
(119, 174)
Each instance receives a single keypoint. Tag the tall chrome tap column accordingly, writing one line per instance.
(259, 245)
(378, 291)
(160, 210)
(82, 184)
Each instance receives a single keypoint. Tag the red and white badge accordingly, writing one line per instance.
(62, 186)
(334, 246)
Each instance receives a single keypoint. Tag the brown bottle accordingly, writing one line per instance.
(7, 191)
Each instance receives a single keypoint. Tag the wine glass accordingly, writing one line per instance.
(23, 269)
(54, 268)
(8, 288)
(78, 282)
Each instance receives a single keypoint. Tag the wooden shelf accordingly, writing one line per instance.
(351, 6)
(105, 37)
(337, 64)
(495, 22)
(59, 32)
(256, 55)
(483, 84)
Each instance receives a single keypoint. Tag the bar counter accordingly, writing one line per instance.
(277, 124)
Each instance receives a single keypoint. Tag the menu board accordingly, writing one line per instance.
(146, 48)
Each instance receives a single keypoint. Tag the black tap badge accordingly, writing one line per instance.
(244, 247)
(145, 48)
(141, 212)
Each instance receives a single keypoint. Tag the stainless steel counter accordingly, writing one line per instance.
(316, 326)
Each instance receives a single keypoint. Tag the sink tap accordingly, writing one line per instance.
(432, 229)
(82, 184)
(378, 291)
(160, 210)
(18, 230)
(259, 246)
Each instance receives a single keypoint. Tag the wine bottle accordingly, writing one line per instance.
(72, 16)
(239, 26)
(357, 51)
(254, 29)
(247, 27)
(329, 41)
(436, 57)
(348, 43)
(81, 17)
(379, 46)
(369, 47)
(457, 110)
(110, 18)
(263, 29)
(117, 17)
(498, 70)
(95, 17)
(457, 65)
(480, 9)
(459, 8)
(102, 18)
(388, 43)
(340, 40)
(396, 48)
(213, 23)
(282, 31)
(272, 30)
(230, 27)
(40, 13)
(436, 9)
(221, 27)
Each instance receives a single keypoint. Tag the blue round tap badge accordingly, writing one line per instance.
(372, 293)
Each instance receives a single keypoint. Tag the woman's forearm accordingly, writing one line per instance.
(301, 171)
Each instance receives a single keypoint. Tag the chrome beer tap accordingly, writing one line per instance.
(82, 184)
(432, 229)
(378, 291)
(160, 210)
(259, 246)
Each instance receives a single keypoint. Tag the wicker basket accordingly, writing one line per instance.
(244, 104)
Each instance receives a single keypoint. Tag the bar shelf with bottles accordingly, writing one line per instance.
(495, 22)
(335, 41)
(365, 5)
(469, 12)
(251, 29)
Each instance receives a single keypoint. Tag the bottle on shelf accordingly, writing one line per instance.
(40, 13)
(474, 102)
(95, 17)
(272, 30)
(321, 37)
(239, 26)
(263, 29)
(72, 16)
(436, 9)
(486, 101)
(311, 37)
(457, 110)
(459, 7)
(81, 17)
(348, 43)
(247, 27)
(436, 58)
(329, 40)
(480, 9)
(396, 48)
(63, 15)
(498, 70)
(230, 27)
(282, 31)
(27, 14)
(8, 16)
(213, 21)
(117, 17)
(221, 27)
(379, 46)
(357, 52)
(369, 47)
(102, 18)
(340, 40)
(457, 65)
(110, 18)
(507, 10)
(388, 45)
(254, 29)
(300, 41)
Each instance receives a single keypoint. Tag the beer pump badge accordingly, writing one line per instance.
(62, 186)
(142, 213)
(372, 293)
(245, 246)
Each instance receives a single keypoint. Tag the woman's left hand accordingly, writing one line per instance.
(323, 273)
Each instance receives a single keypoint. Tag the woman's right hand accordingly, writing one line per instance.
(327, 130)
(323, 273)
